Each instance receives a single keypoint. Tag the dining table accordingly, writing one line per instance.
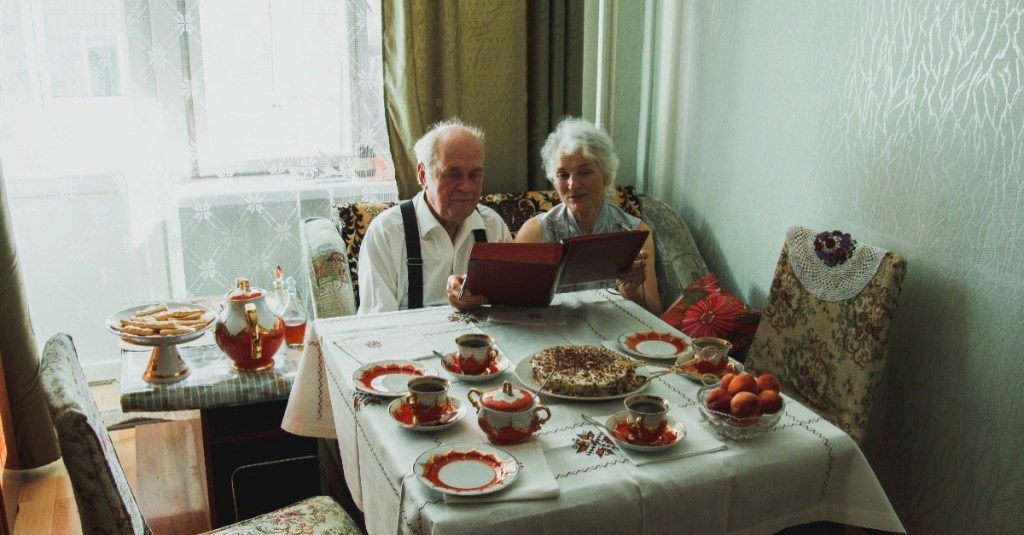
(572, 475)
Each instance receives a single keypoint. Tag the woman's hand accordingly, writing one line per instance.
(462, 300)
(630, 281)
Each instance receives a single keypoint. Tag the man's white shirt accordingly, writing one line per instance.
(383, 272)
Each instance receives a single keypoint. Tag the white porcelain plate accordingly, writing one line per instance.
(402, 413)
(673, 434)
(450, 363)
(524, 372)
(388, 378)
(653, 345)
(466, 469)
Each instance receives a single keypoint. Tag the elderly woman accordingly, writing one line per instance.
(579, 159)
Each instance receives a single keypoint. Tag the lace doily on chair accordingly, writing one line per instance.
(837, 283)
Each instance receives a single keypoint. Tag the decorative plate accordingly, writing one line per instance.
(451, 364)
(673, 434)
(388, 378)
(402, 413)
(466, 469)
(524, 372)
(113, 324)
(653, 345)
(709, 377)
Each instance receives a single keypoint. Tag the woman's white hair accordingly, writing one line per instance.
(426, 146)
(580, 136)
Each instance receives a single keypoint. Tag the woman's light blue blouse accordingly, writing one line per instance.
(559, 223)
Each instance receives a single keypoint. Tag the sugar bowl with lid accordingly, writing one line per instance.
(508, 414)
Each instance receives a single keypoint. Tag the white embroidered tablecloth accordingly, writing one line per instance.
(804, 470)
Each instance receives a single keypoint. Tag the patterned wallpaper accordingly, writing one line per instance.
(901, 122)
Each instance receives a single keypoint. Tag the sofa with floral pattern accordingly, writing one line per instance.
(331, 244)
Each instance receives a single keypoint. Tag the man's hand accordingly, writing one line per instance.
(462, 300)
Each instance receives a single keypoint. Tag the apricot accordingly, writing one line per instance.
(726, 379)
(718, 400)
(767, 381)
(743, 382)
(745, 404)
(771, 401)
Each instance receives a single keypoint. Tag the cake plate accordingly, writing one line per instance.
(165, 362)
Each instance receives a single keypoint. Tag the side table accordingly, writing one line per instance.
(240, 412)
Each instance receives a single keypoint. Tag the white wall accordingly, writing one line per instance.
(901, 122)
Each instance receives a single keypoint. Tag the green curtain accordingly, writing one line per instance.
(555, 59)
(36, 440)
(511, 68)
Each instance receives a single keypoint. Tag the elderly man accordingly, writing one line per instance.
(412, 252)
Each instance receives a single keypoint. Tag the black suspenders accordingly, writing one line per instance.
(414, 258)
(412, 253)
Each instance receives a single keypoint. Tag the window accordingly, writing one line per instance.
(62, 72)
(121, 121)
(274, 86)
(244, 86)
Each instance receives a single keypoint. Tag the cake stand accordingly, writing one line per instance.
(165, 362)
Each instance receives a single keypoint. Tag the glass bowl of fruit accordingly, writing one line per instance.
(742, 411)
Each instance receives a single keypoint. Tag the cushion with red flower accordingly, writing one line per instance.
(705, 309)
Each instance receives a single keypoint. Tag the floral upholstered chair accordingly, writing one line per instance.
(105, 501)
(825, 327)
(331, 250)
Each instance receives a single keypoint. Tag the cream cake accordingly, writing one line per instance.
(584, 371)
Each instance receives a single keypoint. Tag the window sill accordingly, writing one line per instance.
(256, 189)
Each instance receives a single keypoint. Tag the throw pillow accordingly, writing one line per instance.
(705, 309)
(353, 220)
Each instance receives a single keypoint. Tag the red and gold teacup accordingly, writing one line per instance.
(476, 352)
(428, 398)
(646, 416)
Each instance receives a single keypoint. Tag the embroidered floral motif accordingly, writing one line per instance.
(590, 443)
(462, 317)
(374, 344)
(833, 248)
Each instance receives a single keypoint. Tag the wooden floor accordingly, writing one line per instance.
(171, 490)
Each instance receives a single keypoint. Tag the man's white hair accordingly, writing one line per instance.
(426, 146)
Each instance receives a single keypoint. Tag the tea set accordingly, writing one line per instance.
(509, 414)
(478, 359)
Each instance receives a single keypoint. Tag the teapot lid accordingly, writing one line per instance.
(243, 291)
(507, 398)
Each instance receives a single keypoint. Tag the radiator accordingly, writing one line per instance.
(244, 227)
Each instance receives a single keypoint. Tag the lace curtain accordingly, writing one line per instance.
(157, 149)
